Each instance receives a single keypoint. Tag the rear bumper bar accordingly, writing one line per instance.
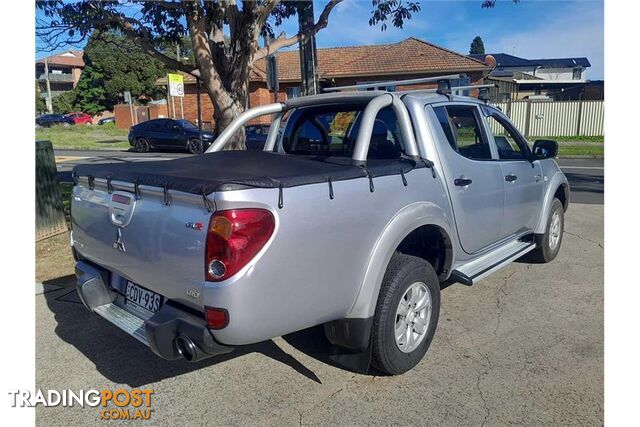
(171, 333)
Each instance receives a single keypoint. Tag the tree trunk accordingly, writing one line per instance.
(225, 110)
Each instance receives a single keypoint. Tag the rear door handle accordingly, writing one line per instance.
(462, 182)
(511, 178)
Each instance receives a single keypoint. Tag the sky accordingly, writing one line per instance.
(530, 29)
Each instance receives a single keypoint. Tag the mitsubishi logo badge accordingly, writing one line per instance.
(117, 244)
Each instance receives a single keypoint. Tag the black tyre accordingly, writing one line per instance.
(548, 244)
(194, 146)
(141, 145)
(406, 314)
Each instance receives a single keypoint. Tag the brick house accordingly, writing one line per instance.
(342, 66)
(64, 72)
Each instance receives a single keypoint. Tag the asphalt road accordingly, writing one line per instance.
(524, 346)
(586, 176)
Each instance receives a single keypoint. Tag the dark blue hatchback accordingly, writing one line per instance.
(169, 134)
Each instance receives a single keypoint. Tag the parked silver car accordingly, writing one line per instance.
(361, 206)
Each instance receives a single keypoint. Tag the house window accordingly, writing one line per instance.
(293, 92)
(577, 73)
(382, 87)
(460, 82)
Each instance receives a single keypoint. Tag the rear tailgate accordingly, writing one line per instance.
(157, 246)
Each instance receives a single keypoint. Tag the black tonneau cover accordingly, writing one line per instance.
(231, 170)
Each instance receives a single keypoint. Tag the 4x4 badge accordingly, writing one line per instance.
(117, 244)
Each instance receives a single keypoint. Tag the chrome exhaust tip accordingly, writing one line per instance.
(186, 348)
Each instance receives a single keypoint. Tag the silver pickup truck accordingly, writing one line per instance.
(361, 207)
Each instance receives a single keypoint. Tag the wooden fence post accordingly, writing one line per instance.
(50, 218)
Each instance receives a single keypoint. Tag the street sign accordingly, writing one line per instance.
(127, 97)
(176, 85)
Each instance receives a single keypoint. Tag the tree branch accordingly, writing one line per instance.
(282, 41)
(171, 5)
(143, 40)
(265, 10)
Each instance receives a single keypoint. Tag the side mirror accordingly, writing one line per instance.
(545, 149)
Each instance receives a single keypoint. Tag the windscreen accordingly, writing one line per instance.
(331, 131)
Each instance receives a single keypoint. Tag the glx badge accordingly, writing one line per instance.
(193, 294)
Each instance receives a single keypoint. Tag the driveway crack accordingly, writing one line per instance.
(584, 238)
(499, 293)
(324, 399)
(481, 375)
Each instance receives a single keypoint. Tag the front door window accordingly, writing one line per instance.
(509, 144)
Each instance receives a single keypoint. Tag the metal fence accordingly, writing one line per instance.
(50, 218)
(556, 118)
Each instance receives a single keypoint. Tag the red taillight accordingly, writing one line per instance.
(234, 237)
(217, 318)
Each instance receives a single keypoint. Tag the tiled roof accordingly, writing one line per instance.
(506, 60)
(254, 74)
(60, 59)
(409, 56)
(563, 62)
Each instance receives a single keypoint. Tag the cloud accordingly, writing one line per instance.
(579, 33)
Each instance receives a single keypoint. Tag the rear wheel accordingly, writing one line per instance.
(549, 242)
(406, 314)
(194, 146)
(141, 145)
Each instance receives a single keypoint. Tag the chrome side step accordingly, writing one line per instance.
(124, 320)
(476, 270)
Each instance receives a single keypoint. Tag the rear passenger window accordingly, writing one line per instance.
(332, 131)
(461, 127)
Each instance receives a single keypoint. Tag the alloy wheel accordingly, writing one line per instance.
(412, 317)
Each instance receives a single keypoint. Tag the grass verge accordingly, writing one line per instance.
(85, 137)
(560, 139)
(581, 150)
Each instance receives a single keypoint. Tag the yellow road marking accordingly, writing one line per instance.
(62, 159)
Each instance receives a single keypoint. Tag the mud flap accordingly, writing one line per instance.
(351, 339)
(354, 361)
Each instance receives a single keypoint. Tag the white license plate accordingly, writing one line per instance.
(142, 299)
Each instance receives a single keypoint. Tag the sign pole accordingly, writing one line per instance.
(181, 108)
(199, 114)
(128, 100)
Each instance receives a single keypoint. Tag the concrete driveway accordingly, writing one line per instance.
(524, 346)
